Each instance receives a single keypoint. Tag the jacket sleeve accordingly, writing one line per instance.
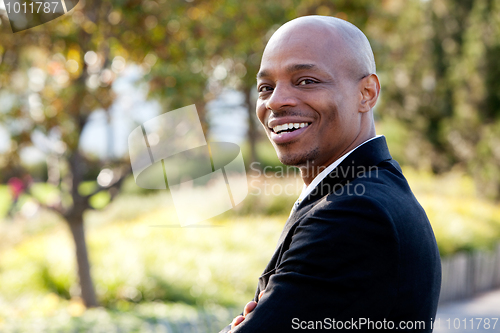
(341, 264)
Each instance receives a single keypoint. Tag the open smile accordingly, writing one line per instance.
(287, 132)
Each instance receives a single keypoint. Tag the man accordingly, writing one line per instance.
(357, 252)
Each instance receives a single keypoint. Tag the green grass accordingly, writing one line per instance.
(135, 263)
(151, 317)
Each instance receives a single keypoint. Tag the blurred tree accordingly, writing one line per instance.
(57, 74)
(442, 82)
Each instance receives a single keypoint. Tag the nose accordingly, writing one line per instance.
(281, 97)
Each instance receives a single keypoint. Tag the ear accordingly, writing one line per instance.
(369, 90)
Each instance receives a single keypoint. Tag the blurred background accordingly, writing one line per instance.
(84, 249)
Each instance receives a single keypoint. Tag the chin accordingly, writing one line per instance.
(297, 158)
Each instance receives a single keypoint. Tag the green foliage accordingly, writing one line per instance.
(460, 220)
(57, 284)
(440, 79)
(87, 187)
(399, 140)
(45, 193)
(174, 264)
(5, 200)
(100, 200)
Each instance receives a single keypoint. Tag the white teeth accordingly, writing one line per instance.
(285, 127)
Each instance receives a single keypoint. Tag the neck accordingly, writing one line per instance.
(312, 168)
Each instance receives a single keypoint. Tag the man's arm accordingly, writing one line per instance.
(341, 263)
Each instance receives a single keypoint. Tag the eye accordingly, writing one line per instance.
(306, 82)
(265, 89)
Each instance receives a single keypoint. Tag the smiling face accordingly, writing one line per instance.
(311, 96)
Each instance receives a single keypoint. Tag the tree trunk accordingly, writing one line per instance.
(86, 285)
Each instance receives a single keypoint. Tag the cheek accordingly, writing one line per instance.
(261, 112)
(330, 116)
(338, 112)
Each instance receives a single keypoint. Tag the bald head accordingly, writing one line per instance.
(336, 36)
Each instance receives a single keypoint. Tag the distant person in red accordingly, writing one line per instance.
(17, 186)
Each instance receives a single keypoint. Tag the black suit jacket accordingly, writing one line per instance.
(359, 246)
